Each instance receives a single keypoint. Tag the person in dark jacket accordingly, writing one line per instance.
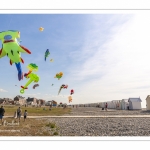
(2, 111)
(19, 112)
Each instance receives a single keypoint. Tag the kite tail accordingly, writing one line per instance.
(45, 58)
(20, 73)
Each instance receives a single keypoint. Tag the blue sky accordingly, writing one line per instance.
(103, 57)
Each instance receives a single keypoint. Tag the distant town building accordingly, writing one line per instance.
(19, 100)
(41, 102)
(52, 102)
(31, 101)
(1, 100)
(6, 101)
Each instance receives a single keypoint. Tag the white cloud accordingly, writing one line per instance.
(117, 68)
(2, 90)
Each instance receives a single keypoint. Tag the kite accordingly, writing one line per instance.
(13, 49)
(47, 53)
(59, 75)
(51, 60)
(70, 99)
(31, 67)
(61, 87)
(31, 76)
(72, 92)
(35, 85)
(52, 84)
(65, 87)
(41, 29)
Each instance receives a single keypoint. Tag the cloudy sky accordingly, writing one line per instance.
(103, 57)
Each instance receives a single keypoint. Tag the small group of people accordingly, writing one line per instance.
(18, 114)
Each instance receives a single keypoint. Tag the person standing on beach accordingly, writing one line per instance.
(106, 106)
(25, 115)
(19, 111)
(15, 115)
(2, 111)
(50, 107)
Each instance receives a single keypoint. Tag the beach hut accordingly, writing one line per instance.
(113, 104)
(117, 104)
(103, 105)
(148, 102)
(134, 103)
(110, 105)
(94, 104)
(124, 104)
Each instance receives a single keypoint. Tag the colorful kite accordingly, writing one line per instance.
(31, 76)
(65, 87)
(32, 67)
(72, 92)
(47, 53)
(35, 85)
(61, 87)
(70, 99)
(59, 75)
(51, 60)
(41, 29)
(13, 49)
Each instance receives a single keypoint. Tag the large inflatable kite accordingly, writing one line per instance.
(63, 86)
(31, 76)
(59, 75)
(47, 53)
(13, 49)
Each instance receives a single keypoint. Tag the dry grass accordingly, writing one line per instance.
(37, 111)
(31, 127)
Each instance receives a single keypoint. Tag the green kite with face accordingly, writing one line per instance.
(12, 49)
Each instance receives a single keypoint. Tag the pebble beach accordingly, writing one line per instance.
(102, 126)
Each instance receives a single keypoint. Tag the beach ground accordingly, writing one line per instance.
(103, 124)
